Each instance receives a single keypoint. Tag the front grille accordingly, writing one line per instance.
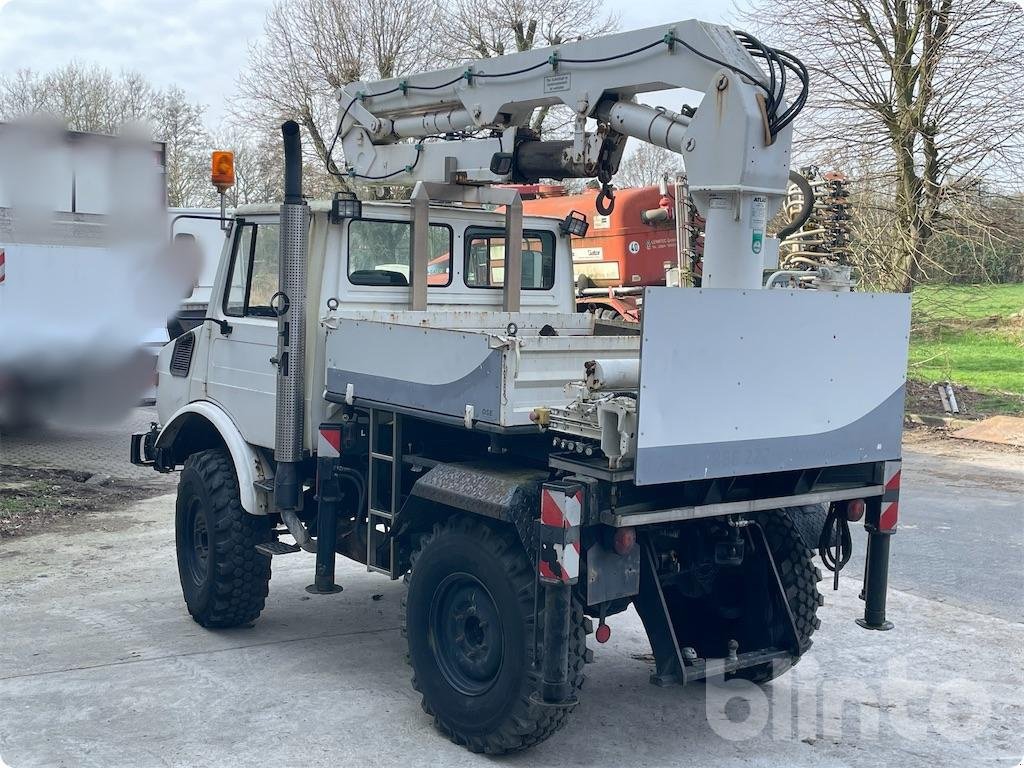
(181, 358)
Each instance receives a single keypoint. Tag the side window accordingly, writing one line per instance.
(379, 252)
(238, 281)
(485, 259)
(254, 271)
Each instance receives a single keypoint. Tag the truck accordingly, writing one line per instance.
(82, 275)
(651, 237)
(524, 475)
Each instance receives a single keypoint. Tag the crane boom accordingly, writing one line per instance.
(471, 125)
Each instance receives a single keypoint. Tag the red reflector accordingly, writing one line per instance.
(602, 633)
(855, 510)
(624, 541)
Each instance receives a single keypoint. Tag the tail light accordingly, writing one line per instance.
(855, 510)
(624, 540)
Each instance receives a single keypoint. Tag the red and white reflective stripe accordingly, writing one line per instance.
(560, 509)
(3, 265)
(889, 517)
(328, 446)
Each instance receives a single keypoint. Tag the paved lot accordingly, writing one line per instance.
(100, 664)
(102, 449)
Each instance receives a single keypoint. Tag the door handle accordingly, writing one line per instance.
(224, 325)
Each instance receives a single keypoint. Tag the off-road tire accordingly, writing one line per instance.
(800, 579)
(229, 587)
(503, 718)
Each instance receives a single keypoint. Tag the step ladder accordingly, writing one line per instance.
(383, 488)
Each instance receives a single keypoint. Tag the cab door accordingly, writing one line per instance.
(241, 377)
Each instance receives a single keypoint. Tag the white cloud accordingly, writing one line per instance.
(197, 44)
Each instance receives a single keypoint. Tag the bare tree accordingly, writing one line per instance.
(311, 48)
(93, 99)
(919, 95)
(179, 124)
(87, 98)
(646, 166)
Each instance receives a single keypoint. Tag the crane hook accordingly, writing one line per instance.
(606, 193)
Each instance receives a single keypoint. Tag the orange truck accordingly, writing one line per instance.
(649, 238)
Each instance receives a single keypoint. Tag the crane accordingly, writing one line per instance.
(470, 126)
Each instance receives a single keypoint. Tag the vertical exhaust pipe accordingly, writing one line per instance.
(291, 326)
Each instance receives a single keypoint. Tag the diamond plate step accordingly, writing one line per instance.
(272, 548)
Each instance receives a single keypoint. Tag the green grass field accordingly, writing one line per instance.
(973, 336)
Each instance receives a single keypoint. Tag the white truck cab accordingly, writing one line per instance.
(357, 270)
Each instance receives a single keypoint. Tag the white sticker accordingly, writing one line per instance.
(602, 222)
(720, 201)
(592, 253)
(557, 83)
(634, 246)
(758, 220)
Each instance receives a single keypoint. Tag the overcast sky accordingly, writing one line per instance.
(199, 45)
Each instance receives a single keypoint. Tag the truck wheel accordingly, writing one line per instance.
(469, 622)
(800, 578)
(223, 578)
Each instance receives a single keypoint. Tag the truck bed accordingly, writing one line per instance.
(489, 367)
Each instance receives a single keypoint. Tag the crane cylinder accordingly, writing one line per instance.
(607, 375)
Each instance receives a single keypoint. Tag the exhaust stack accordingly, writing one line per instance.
(291, 326)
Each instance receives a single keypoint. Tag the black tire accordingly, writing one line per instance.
(223, 578)
(470, 627)
(800, 579)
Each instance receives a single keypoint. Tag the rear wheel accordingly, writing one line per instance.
(469, 622)
(800, 579)
(223, 578)
(714, 603)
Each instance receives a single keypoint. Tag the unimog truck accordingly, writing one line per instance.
(393, 383)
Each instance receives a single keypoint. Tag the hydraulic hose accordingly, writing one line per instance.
(805, 210)
(835, 547)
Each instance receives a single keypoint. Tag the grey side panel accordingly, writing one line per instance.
(480, 388)
(875, 436)
(754, 381)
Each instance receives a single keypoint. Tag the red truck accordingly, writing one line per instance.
(651, 237)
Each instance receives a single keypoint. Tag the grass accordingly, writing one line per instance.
(972, 336)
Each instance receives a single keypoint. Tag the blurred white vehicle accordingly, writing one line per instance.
(86, 283)
(197, 239)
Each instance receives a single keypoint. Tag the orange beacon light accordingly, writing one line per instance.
(222, 169)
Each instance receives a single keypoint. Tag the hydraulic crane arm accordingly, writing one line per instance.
(470, 124)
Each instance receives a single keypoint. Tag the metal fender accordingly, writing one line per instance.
(250, 466)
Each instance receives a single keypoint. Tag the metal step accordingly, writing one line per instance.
(267, 486)
(272, 548)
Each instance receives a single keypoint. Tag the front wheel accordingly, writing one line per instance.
(469, 622)
(223, 578)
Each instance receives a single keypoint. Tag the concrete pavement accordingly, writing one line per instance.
(100, 665)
